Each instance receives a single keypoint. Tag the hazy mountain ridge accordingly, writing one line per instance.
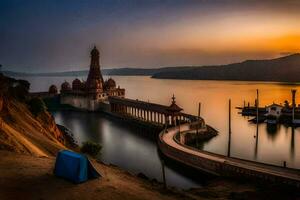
(117, 71)
(68, 73)
(283, 69)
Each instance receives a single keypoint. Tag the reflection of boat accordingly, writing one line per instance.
(271, 119)
(296, 122)
(261, 119)
(272, 129)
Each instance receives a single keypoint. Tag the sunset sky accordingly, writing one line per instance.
(56, 35)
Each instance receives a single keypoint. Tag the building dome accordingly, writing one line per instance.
(109, 84)
(65, 86)
(76, 84)
(52, 89)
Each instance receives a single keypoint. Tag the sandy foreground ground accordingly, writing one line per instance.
(27, 177)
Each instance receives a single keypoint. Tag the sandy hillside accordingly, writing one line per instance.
(20, 131)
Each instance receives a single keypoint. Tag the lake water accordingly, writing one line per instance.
(126, 148)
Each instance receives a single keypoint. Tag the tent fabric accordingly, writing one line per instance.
(74, 167)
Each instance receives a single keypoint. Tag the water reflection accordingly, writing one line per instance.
(124, 145)
(256, 142)
(292, 154)
(272, 130)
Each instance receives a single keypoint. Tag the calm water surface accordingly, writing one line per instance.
(128, 149)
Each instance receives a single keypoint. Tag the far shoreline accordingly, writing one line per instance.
(166, 78)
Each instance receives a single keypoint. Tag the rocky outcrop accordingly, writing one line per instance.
(21, 131)
(48, 123)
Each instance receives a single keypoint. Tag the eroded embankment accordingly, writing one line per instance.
(23, 132)
(20, 130)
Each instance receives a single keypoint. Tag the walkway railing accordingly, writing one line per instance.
(148, 112)
(222, 165)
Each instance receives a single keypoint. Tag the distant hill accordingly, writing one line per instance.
(283, 69)
(119, 71)
(116, 71)
(141, 71)
(23, 74)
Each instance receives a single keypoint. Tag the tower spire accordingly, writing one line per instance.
(95, 79)
(173, 99)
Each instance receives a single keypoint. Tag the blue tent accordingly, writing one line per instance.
(74, 167)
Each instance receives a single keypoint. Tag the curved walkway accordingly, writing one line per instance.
(223, 165)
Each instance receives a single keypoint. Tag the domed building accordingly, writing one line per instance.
(93, 93)
(52, 90)
(65, 87)
(110, 84)
(76, 85)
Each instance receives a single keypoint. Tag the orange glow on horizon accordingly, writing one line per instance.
(262, 33)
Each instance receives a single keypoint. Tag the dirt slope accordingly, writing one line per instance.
(20, 131)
